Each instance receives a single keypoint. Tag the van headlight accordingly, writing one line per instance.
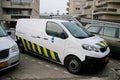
(14, 49)
(90, 48)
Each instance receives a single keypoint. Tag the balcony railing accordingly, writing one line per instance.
(8, 4)
(103, 2)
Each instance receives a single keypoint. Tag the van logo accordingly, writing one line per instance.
(102, 44)
(52, 39)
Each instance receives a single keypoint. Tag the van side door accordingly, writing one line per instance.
(55, 40)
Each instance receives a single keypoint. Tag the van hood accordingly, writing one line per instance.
(95, 41)
(6, 42)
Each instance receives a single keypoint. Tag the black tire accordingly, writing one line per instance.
(73, 64)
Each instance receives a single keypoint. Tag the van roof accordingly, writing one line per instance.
(45, 20)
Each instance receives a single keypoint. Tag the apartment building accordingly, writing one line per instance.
(107, 10)
(75, 7)
(0, 11)
(11, 10)
(87, 10)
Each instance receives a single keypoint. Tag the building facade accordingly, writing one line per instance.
(11, 10)
(0, 11)
(108, 10)
(87, 10)
(75, 7)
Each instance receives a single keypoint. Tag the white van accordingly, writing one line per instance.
(63, 42)
(9, 52)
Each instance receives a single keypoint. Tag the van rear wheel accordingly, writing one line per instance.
(73, 64)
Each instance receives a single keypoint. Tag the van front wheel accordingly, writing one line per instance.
(73, 64)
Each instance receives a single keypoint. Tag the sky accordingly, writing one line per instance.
(51, 6)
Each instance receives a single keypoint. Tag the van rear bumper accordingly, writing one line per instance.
(93, 64)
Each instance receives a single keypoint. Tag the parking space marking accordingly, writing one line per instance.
(56, 69)
(33, 60)
(26, 57)
(66, 72)
(40, 62)
(47, 66)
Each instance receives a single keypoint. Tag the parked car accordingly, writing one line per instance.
(9, 52)
(111, 33)
(64, 42)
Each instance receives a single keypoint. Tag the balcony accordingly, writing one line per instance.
(103, 2)
(86, 12)
(14, 17)
(68, 3)
(8, 4)
(106, 10)
(88, 4)
(67, 9)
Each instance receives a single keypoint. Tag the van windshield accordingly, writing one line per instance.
(76, 30)
(2, 31)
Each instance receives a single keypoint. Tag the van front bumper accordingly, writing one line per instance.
(93, 64)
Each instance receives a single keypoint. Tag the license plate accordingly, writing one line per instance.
(3, 64)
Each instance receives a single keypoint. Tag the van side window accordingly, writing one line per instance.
(109, 31)
(53, 29)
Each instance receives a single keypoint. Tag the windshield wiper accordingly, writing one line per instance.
(3, 35)
(91, 35)
(82, 37)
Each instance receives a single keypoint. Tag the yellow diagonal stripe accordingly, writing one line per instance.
(24, 44)
(28, 45)
(18, 38)
(52, 55)
(105, 44)
(102, 44)
(45, 52)
(33, 46)
(39, 50)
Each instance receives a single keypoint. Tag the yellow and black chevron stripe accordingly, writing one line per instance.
(30, 46)
(102, 44)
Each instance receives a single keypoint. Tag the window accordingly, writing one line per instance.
(77, 9)
(2, 32)
(109, 31)
(76, 30)
(119, 33)
(53, 29)
(93, 29)
(21, 1)
(101, 31)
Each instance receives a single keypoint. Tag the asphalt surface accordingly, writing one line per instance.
(35, 68)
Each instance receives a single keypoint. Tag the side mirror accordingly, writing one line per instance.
(63, 35)
(9, 33)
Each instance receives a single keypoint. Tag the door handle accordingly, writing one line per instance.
(35, 36)
(45, 38)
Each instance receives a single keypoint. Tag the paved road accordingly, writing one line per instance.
(35, 68)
